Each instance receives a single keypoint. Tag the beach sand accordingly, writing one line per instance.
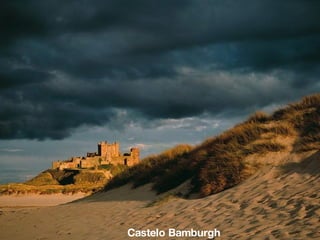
(281, 201)
(37, 200)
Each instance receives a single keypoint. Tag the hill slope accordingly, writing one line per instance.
(60, 181)
(226, 160)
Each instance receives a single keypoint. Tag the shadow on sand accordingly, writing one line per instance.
(123, 193)
(309, 165)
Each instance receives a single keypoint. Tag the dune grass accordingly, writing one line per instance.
(150, 168)
(218, 163)
(305, 118)
(213, 166)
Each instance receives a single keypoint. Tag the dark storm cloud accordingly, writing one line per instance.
(17, 20)
(16, 77)
(64, 64)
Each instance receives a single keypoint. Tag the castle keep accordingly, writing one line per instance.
(107, 154)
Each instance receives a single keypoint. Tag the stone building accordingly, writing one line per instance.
(108, 153)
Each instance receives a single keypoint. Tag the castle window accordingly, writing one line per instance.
(125, 162)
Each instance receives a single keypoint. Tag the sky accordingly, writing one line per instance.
(150, 74)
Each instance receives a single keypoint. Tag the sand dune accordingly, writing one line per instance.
(281, 201)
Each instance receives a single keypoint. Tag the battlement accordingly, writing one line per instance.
(108, 153)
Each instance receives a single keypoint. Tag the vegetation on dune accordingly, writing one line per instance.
(68, 176)
(221, 164)
(44, 178)
(213, 166)
(114, 169)
(150, 168)
(86, 177)
(305, 119)
(218, 163)
(64, 181)
(21, 188)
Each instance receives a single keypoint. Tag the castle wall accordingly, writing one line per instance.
(91, 154)
(56, 164)
(135, 156)
(107, 154)
(117, 160)
(132, 158)
(128, 159)
(90, 162)
(65, 164)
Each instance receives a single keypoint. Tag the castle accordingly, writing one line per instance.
(107, 154)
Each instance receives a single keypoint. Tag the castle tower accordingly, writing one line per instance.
(135, 156)
(108, 151)
(112, 150)
(102, 149)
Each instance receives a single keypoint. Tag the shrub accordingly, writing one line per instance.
(89, 177)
